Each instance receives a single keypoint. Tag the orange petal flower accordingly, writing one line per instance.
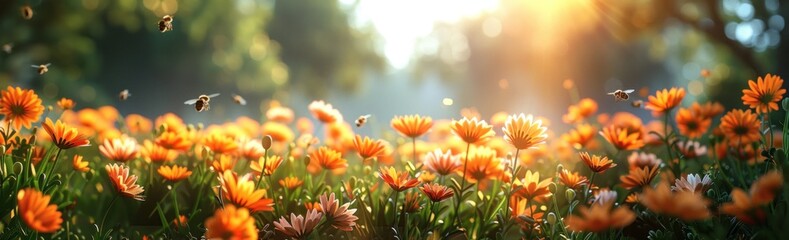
(482, 164)
(154, 153)
(328, 159)
(252, 150)
(665, 100)
(442, 163)
(220, 143)
(763, 189)
(137, 124)
(740, 127)
(600, 217)
(63, 136)
(622, 139)
(66, 104)
(79, 165)
(684, 205)
(572, 179)
(690, 124)
(243, 193)
(367, 148)
(279, 132)
(124, 183)
(398, 181)
(520, 207)
(176, 140)
(707, 110)
(577, 113)
(269, 163)
(278, 113)
(596, 163)
(21, 107)
(324, 112)
(231, 223)
(764, 93)
(472, 130)
(639, 177)
(223, 163)
(412, 126)
(174, 173)
(524, 132)
(36, 212)
(121, 149)
(531, 187)
(436, 192)
(291, 182)
(580, 135)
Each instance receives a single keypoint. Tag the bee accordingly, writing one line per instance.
(166, 24)
(637, 103)
(43, 68)
(124, 95)
(201, 102)
(8, 47)
(239, 100)
(27, 12)
(362, 120)
(621, 95)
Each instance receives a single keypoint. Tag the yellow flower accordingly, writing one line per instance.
(174, 173)
(665, 100)
(412, 126)
(231, 223)
(79, 165)
(472, 130)
(524, 132)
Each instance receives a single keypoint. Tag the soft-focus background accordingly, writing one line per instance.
(385, 58)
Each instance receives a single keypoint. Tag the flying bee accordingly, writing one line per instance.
(27, 12)
(621, 95)
(8, 47)
(362, 120)
(239, 100)
(43, 68)
(166, 24)
(637, 103)
(124, 95)
(201, 102)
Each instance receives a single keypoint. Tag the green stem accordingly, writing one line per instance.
(175, 203)
(394, 211)
(512, 180)
(589, 186)
(104, 218)
(51, 170)
(462, 185)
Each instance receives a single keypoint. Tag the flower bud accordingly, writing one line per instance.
(570, 195)
(307, 160)
(552, 187)
(551, 218)
(266, 142)
(559, 167)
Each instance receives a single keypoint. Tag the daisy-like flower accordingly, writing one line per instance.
(412, 126)
(577, 113)
(600, 217)
(124, 183)
(252, 150)
(367, 148)
(691, 124)
(299, 227)
(740, 127)
(266, 165)
(572, 179)
(596, 163)
(21, 107)
(220, 143)
(764, 93)
(174, 173)
(605, 196)
(152, 152)
(66, 104)
(339, 216)
(441, 162)
(324, 112)
(36, 212)
(411, 202)
(691, 149)
(521, 209)
(121, 149)
(693, 183)
(181, 221)
(665, 100)
(64, 137)
(278, 113)
(426, 177)
(622, 139)
(398, 181)
(482, 164)
(472, 130)
(174, 140)
(231, 223)
(313, 206)
(279, 132)
(242, 192)
(763, 189)
(638, 177)
(707, 110)
(524, 132)
(747, 207)
(79, 165)
(291, 182)
(643, 159)
(138, 124)
(682, 204)
(328, 159)
(580, 135)
(436, 192)
(531, 187)
(222, 163)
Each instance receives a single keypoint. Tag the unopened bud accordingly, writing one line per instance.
(307, 160)
(570, 195)
(552, 187)
(551, 218)
(559, 168)
(266, 142)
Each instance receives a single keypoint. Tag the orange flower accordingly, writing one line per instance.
(691, 124)
(740, 127)
(763, 189)
(21, 107)
(304, 126)
(291, 182)
(482, 164)
(79, 165)
(252, 150)
(523, 132)
(367, 148)
(572, 179)
(174, 140)
(639, 177)
(596, 163)
(746, 207)
(328, 159)
(411, 202)
(764, 93)
(530, 187)
(38, 155)
(436, 192)
(691, 149)
(66, 104)
(684, 205)
(498, 119)
(220, 143)
(472, 130)
(643, 159)
(124, 183)
(222, 163)
(580, 135)
(442, 163)
(339, 216)
(137, 124)
(121, 149)
(708, 110)
(577, 113)
(279, 132)
(412, 126)
(242, 192)
(313, 206)
(174, 173)
(600, 217)
(426, 177)
(63, 136)
(231, 223)
(278, 113)
(324, 112)
(36, 212)
(270, 163)
(299, 227)
(665, 100)
(622, 139)
(521, 208)
(154, 153)
(398, 181)
(181, 221)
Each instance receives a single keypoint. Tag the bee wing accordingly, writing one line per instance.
(34, 66)
(611, 93)
(628, 91)
(191, 101)
(213, 95)
(242, 101)
(366, 116)
(47, 65)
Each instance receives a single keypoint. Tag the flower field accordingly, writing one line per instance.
(695, 170)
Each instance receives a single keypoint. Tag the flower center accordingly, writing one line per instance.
(17, 110)
(741, 130)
